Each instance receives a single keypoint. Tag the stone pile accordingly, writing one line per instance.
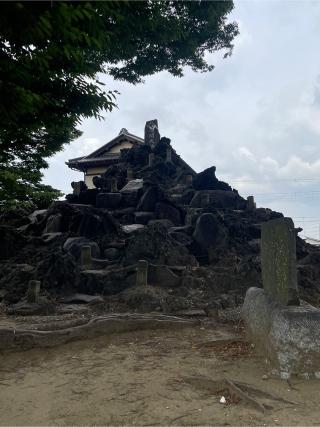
(201, 239)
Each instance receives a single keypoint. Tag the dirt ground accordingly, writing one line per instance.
(161, 377)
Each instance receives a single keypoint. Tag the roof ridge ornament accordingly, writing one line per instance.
(123, 131)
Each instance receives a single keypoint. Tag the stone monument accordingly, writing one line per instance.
(278, 261)
(286, 333)
(151, 133)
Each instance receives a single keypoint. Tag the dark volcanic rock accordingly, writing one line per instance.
(155, 245)
(11, 241)
(73, 245)
(167, 211)
(111, 253)
(181, 237)
(143, 217)
(149, 199)
(90, 225)
(162, 276)
(86, 197)
(53, 224)
(14, 281)
(108, 200)
(59, 272)
(187, 196)
(94, 224)
(217, 199)
(210, 232)
(206, 180)
(164, 213)
(163, 222)
(187, 229)
(106, 282)
(16, 217)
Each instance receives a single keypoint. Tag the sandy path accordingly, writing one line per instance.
(142, 378)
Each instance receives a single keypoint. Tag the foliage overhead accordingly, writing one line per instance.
(51, 54)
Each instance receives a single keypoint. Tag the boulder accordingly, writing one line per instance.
(288, 337)
(82, 299)
(37, 215)
(217, 199)
(143, 217)
(58, 272)
(253, 231)
(24, 308)
(111, 253)
(162, 276)
(16, 217)
(153, 243)
(90, 225)
(53, 224)
(181, 237)
(83, 220)
(187, 196)
(73, 245)
(14, 280)
(167, 211)
(206, 180)
(124, 216)
(108, 200)
(162, 222)
(148, 199)
(86, 197)
(187, 229)
(131, 228)
(94, 223)
(106, 282)
(51, 237)
(209, 232)
(12, 241)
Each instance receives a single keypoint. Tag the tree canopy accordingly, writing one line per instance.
(51, 55)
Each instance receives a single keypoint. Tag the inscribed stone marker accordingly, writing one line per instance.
(278, 261)
(151, 133)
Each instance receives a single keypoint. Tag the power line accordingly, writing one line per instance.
(273, 180)
(287, 193)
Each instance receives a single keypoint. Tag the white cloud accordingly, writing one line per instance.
(256, 116)
(89, 145)
(244, 152)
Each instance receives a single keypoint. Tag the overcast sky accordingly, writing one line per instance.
(256, 117)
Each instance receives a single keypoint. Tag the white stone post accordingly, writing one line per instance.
(33, 291)
(86, 258)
